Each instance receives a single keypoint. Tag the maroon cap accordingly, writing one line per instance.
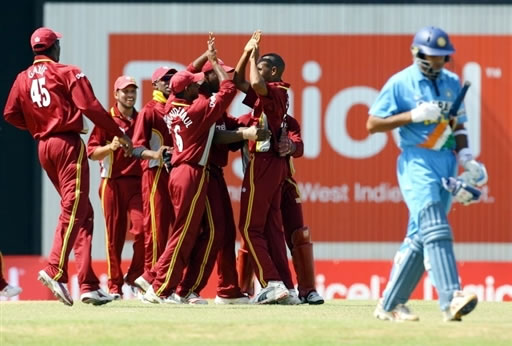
(160, 72)
(123, 81)
(43, 38)
(208, 66)
(183, 79)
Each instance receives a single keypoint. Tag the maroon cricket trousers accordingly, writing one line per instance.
(63, 157)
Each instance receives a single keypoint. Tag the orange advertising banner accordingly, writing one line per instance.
(347, 177)
(490, 281)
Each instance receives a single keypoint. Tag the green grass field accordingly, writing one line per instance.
(336, 322)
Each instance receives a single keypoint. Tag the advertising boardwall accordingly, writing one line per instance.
(336, 61)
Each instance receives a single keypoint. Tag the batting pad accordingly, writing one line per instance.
(437, 239)
(406, 273)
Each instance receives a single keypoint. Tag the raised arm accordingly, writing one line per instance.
(255, 78)
(212, 57)
(239, 76)
(198, 63)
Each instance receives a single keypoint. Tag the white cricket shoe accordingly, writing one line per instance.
(150, 296)
(292, 299)
(58, 289)
(116, 296)
(273, 293)
(142, 284)
(232, 301)
(462, 304)
(401, 313)
(195, 299)
(97, 297)
(174, 298)
(313, 298)
(10, 291)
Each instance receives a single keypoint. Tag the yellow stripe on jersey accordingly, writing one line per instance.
(209, 216)
(42, 60)
(179, 104)
(110, 163)
(103, 187)
(152, 212)
(283, 87)
(248, 221)
(71, 224)
(112, 112)
(183, 234)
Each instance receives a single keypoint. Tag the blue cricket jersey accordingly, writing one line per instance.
(406, 90)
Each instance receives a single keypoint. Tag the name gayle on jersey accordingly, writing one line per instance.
(182, 114)
(38, 69)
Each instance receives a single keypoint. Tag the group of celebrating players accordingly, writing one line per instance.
(162, 178)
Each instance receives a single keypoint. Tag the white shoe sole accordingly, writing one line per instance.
(231, 301)
(464, 309)
(61, 294)
(142, 284)
(274, 299)
(95, 302)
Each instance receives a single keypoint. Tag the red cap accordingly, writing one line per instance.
(123, 81)
(162, 71)
(43, 38)
(208, 66)
(183, 79)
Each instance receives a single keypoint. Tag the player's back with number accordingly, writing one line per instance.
(50, 95)
(193, 124)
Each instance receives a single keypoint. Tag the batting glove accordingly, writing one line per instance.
(426, 111)
(461, 191)
(475, 173)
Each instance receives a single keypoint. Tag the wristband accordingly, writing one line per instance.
(137, 152)
(464, 155)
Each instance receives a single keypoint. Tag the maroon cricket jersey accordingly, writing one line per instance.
(274, 105)
(115, 164)
(151, 131)
(49, 98)
(293, 128)
(219, 153)
(193, 124)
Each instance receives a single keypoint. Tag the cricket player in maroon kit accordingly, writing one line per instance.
(260, 218)
(151, 137)
(220, 229)
(193, 121)
(48, 99)
(120, 189)
(7, 290)
(297, 235)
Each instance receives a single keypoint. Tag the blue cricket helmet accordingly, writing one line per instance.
(432, 41)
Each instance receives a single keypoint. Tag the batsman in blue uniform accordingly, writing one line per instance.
(417, 101)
